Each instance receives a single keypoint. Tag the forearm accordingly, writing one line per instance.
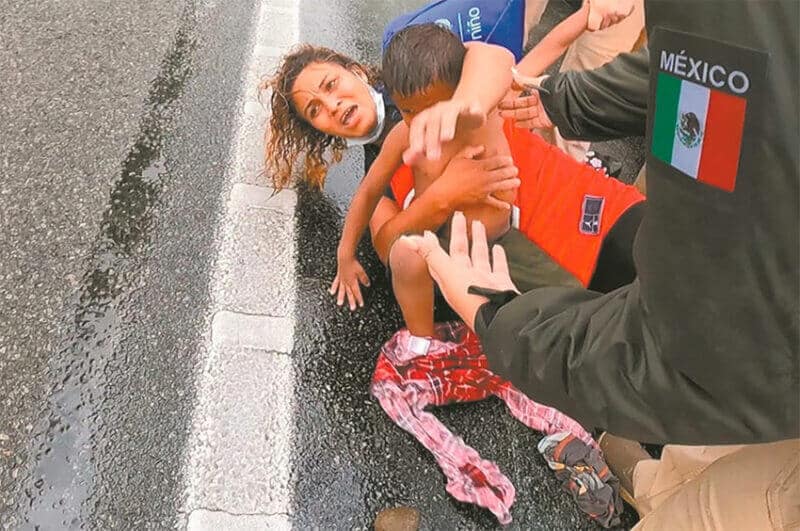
(427, 212)
(596, 358)
(465, 181)
(485, 62)
(601, 104)
(357, 219)
(554, 44)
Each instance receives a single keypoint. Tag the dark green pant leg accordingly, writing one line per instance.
(530, 267)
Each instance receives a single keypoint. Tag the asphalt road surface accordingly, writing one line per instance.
(117, 128)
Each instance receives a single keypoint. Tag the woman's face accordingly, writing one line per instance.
(334, 100)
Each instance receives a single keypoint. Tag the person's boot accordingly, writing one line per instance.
(622, 456)
(397, 519)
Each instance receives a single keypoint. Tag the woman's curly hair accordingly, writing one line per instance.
(289, 134)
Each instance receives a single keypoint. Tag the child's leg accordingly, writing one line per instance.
(413, 288)
(384, 211)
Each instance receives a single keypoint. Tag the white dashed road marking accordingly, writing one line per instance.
(237, 468)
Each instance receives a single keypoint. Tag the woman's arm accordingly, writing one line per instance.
(466, 181)
(371, 189)
(349, 273)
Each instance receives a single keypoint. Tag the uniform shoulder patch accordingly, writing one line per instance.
(704, 90)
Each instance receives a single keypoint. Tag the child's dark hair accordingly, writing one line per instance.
(289, 134)
(420, 55)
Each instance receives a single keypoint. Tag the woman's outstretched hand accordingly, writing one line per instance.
(461, 268)
(349, 276)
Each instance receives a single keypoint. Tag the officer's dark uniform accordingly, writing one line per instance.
(703, 347)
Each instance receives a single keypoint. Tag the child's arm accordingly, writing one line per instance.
(555, 43)
(485, 76)
(349, 271)
(485, 79)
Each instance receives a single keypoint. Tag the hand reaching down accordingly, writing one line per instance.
(347, 284)
(527, 111)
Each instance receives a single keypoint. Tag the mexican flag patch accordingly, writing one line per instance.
(704, 91)
(698, 130)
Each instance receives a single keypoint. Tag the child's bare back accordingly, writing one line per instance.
(490, 135)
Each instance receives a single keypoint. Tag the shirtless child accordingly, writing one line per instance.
(421, 67)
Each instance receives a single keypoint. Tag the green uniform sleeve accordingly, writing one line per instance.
(602, 104)
(703, 347)
(594, 357)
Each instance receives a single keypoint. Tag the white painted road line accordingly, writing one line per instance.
(255, 266)
(237, 468)
(218, 521)
(251, 196)
(252, 331)
(240, 456)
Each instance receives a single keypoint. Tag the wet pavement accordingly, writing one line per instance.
(102, 366)
(352, 461)
(73, 94)
(114, 164)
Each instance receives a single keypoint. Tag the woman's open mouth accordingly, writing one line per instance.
(347, 117)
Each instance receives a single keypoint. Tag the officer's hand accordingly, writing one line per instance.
(526, 111)
(461, 268)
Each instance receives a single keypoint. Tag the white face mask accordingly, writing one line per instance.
(380, 114)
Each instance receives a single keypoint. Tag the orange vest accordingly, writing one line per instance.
(565, 207)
